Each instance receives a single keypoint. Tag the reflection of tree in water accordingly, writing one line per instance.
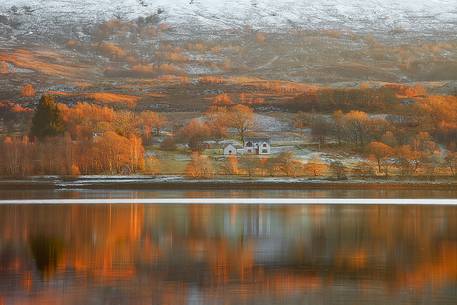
(161, 254)
(46, 252)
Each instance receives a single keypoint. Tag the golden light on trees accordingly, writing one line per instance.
(28, 91)
(199, 167)
(4, 68)
(315, 167)
(381, 153)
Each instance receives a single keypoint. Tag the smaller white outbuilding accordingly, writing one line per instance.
(231, 149)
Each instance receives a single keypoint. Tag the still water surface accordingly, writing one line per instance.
(228, 254)
(228, 193)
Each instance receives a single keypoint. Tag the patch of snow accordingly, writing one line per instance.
(280, 149)
(264, 123)
(415, 15)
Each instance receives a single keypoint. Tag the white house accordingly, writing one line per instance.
(230, 149)
(257, 145)
(252, 145)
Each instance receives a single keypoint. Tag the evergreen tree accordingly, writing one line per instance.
(47, 121)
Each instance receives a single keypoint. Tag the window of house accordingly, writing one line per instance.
(249, 144)
(264, 151)
(264, 145)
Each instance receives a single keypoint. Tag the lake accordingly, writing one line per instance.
(340, 192)
(227, 254)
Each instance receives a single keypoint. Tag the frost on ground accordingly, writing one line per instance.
(354, 14)
(267, 123)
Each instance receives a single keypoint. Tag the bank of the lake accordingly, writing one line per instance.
(48, 187)
(179, 182)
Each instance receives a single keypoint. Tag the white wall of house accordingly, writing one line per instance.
(230, 150)
(262, 147)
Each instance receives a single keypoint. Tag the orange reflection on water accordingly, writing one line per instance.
(201, 254)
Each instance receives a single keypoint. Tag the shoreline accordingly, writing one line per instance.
(180, 183)
(238, 201)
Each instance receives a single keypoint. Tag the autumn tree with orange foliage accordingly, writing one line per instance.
(199, 167)
(409, 159)
(415, 154)
(84, 120)
(28, 91)
(381, 152)
(97, 140)
(230, 166)
(315, 167)
(15, 156)
(113, 153)
(439, 117)
(222, 100)
(152, 121)
(194, 133)
(56, 155)
(20, 157)
(223, 114)
(126, 124)
(217, 119)
(4, 68)
(285, 165)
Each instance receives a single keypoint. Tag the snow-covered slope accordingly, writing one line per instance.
(423, 15)
(303, 40)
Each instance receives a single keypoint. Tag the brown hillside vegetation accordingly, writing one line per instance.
(4, 69)
(386, 98)
(47, 62)
(108, 98)
(114, 98)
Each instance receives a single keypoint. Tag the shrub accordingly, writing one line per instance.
(168, 144)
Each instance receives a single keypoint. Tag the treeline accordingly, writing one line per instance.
(14, 117)
(84, 139)
(382, 161)
(221, 116)
(375, 100)
(110, 153)
(423, 142)
(282, 165)
(91, 139)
